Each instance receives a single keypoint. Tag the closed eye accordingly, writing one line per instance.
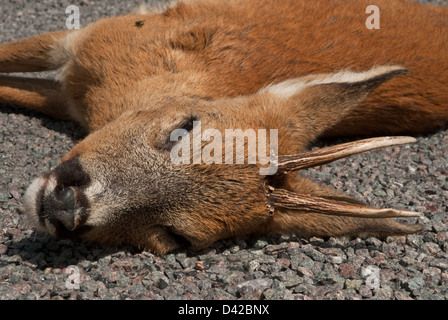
(180, 130)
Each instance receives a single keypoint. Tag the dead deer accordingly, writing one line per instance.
(307, 69)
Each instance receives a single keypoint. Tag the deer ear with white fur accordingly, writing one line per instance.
(320, 101)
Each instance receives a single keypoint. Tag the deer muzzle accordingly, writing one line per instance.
(56, 204)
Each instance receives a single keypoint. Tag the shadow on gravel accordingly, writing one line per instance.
(44, 251)
(71, 129)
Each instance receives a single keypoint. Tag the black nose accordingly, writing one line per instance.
(59, 207)
(66, 206)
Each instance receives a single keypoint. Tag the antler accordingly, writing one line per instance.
(289, 200)
(328, 154)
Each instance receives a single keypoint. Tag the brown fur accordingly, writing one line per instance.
(130, 86)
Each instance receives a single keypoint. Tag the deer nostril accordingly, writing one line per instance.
(66, 209)
(68, 199)
(59, 207)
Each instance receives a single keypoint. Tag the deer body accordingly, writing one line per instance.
(131, 80)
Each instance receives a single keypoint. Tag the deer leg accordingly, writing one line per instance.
(31, 54)
(41, 95)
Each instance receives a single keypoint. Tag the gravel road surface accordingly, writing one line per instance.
(410, 177)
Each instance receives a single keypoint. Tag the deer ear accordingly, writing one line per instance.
(194, 40)
(321, 101)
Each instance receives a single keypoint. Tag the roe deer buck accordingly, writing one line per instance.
(306, 68)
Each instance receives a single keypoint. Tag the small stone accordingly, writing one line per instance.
(374, 242)
(365, 292)
(432, 275)
(413, 285)
(162, 283)
(230, 278)
(406, 261)
(396, 240)
(220, 294)
(260, 244)
(314, 254)
(431, 247)
(289, 278)
(275, 294)
(137, 289)
(234, 249)
(442, 237)
(307, 263)
(15, 194)
(4, 196)
(256, 283)
(339, 242)
(328, 276)
(252, 289)
(335, 295)
(353, 284)
(336, 259)
(384, 293)
(347, 270)
(399, 295)
(283, 263)
(104, 261)
(187, 262)
(276, 249)
(254, 265)
(441, 264)
(3, 248)
(199, 265)
(439, 222)
(303, 271)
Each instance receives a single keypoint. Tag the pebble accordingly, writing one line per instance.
(336, 259)
(353, 284)
(347, 270)
(3, 248)
(413, 285)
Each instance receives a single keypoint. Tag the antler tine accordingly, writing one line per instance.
(328, 154)
(289, 200)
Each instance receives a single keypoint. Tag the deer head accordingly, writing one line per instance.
(121, 185)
